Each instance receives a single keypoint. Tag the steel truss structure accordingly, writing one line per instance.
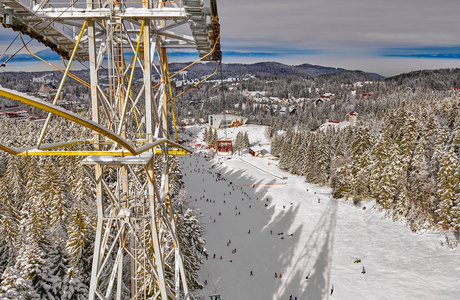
(136, 244)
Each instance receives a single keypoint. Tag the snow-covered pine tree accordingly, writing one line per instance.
(381, 152)
(175, 176)
(420, 183)
(54, 192)
(310, 156)
(361, 172)
(190, 233)
(237, 147)
(322, 162)
(246, 140)
(15, 286)
(16, 185)
(9, 229)
(440, 142)
(214, 137)
(79, 246)
(32, 265)
(206, 135)
(455, 210)
(80, 185)
(286, 150)
(275, 144)
(446, 188)
(57, 259)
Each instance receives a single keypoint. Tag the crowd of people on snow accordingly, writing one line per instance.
(218, 177)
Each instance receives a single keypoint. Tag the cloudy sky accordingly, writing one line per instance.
(383, 36)
(388, 37)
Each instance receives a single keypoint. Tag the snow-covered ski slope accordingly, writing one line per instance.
(302, 231)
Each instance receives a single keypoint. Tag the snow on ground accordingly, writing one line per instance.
(297, 230)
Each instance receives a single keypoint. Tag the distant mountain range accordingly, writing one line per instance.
(262, 69)
(436, 79)
(440, 79)
(269, 69)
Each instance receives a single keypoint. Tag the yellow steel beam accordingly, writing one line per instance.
(159, 142)
(173, 152)
(59, 111)
(63, 144)
(121, 153)
(10, 150)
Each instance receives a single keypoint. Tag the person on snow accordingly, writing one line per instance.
(251, 273)
(276, 275)
(363, 271)
(332, 289)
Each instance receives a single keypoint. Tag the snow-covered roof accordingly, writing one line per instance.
(257, 149)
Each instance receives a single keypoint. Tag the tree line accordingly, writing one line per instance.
(407, 158)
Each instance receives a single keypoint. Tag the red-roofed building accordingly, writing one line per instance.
(352, 117)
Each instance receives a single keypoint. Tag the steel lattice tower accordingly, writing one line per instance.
(136, 229)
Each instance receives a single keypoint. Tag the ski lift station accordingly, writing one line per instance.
(226, 121)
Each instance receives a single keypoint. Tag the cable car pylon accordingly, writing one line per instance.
(136, 244)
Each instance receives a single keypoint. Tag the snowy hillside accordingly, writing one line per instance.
(296, 229)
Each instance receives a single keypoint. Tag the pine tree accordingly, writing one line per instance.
(189, 232)
(420, 183)
(206, 135)
(81, 186)
(15, 286)
(32, 266)
(446, 188)
(246, 140)
(361, 170)
(286, 150)
(275, 144)
(56, 257)
(455, 211)
(53, 192)
(380, 161)
(214, 137)
(9, 229)
(309, 168)
(80, 245)
(322, 162)
(15, 177)
(237, 147)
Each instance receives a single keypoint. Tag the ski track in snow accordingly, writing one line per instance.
(326, 239)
